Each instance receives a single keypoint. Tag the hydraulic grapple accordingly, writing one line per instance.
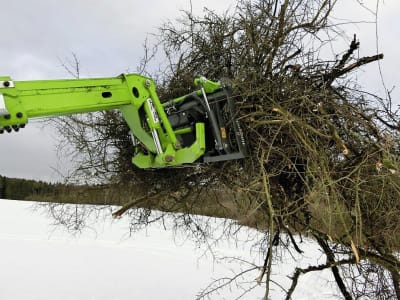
(198, 127)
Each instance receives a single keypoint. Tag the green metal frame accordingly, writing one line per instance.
(134, 95)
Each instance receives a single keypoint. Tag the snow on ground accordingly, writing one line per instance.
(39, 261)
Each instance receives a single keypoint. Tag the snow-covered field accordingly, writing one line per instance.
(41, 261)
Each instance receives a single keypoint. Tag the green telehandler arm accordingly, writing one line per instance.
(198, 127)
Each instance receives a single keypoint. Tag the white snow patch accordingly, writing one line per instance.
(39, 261)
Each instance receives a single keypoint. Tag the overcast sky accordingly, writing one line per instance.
(108, 36)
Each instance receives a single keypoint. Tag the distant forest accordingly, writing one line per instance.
(24, 189)
(32, 190)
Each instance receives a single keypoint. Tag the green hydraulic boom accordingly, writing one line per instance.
(198, 127)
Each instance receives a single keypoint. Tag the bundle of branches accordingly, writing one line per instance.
(323, 153)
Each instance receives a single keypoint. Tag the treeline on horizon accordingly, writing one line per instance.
(108, 194)
(26, 189)
(41, 191)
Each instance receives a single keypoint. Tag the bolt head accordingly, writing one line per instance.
(169, 158)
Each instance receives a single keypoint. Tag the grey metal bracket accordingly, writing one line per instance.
(3, 108)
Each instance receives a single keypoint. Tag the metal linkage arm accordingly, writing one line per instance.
(134, 95)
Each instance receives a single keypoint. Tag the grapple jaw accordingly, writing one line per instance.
(229, 129)
(213, 106)
(195, 128)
